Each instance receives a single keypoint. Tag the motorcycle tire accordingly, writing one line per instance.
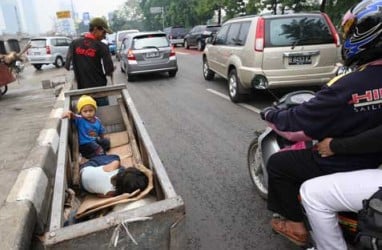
(3, 90)
(256, 169)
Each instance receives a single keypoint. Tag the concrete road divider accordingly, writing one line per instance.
(27, 207)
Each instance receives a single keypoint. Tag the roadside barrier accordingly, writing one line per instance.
(27, 207)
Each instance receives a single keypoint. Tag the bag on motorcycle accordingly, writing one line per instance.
(370, 222)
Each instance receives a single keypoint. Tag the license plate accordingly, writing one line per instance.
(299, 60)
(152, 54)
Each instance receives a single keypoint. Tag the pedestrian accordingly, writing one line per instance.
(90, 58)
(89, 127)
(347, 105)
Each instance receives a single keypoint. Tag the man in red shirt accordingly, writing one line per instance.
(90, 57)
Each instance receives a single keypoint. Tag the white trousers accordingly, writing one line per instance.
(324, 196)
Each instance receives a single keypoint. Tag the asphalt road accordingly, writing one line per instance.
(202, 139)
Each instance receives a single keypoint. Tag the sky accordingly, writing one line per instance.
(96, 7)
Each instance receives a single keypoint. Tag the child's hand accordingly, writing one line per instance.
(67, 114)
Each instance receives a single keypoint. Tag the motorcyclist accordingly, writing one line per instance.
(322, 197)
(346, 106)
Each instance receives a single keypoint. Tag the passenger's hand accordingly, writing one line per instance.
(263, 113)
(323, 147)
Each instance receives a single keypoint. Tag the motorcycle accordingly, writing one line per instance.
(268, 142)
(11, 65)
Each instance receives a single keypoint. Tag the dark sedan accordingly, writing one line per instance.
(198, 34)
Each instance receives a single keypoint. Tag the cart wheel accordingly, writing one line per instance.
(3, 89)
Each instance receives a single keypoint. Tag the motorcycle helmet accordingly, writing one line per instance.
(85, 100)
(362, 29)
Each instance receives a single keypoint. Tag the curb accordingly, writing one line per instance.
(27, 207)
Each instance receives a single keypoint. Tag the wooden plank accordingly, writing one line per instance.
(97, 91)
(134, 146)
(60, 184)
(160, 171)
(75, 158)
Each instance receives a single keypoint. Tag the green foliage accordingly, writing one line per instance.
(136, 13)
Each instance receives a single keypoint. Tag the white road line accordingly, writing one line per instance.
(182, 53)
(249, 107)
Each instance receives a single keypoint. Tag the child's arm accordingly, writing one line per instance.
(68, 114)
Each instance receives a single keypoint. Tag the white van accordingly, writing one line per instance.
(48, 50)
(118, 40)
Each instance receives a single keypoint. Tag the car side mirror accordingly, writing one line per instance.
(212, 38)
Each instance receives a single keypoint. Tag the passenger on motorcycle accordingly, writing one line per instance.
(322, 197)
(346, 106)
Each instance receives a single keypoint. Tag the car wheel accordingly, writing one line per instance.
(186, 44)
(234, 86)
(200, 45)
(37, 66)
(207, 73)
(172, 73)
(256, 170)
(3, 89)
(59, 62)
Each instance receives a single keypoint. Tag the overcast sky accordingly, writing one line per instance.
(96, 7)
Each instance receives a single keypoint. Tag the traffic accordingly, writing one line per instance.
(259, 130)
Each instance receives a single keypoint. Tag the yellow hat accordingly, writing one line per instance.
(85, 100)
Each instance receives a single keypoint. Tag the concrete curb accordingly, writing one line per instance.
(27, 207)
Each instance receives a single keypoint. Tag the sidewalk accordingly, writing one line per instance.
(29, 117)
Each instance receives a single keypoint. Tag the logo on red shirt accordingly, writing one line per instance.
(86, 52)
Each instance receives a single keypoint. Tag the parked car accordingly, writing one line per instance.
(118, 40)
(264, 52)
(198, 34)
(48, 50)
(175, 34)
(147, 52)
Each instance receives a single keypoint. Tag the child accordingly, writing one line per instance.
(103, 175)
(90, 129)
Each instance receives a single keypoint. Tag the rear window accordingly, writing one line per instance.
(178, 31)
(122, 35)
(150, 41)
(38, 43)
(297, 31)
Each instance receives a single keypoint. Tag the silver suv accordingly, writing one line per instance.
(260, 52)
(48, 50)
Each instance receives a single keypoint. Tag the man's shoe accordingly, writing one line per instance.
(280, 226)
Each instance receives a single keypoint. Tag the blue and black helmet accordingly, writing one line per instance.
(362, 29)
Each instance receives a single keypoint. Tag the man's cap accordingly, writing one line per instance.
(100, 22)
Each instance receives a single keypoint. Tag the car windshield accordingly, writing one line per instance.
(298, 31)
(150, 41)
(213, 29)
(41, 43)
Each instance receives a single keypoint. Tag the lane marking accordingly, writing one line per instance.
(249, 107)
(182, 53)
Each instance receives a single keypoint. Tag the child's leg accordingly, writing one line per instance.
(90, 150)
(104, 143)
